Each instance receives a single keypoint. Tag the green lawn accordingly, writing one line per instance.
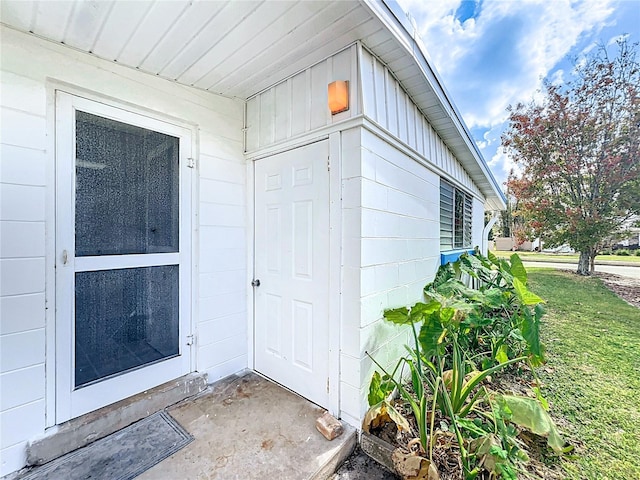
(592, 378)
(565, 257)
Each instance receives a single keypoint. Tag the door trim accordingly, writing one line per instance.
(335, 255)
(188, 254)
(335, 268)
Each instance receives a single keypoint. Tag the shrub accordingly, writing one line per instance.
(461, 336)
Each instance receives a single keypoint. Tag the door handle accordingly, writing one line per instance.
(255, 283)
(65, 257)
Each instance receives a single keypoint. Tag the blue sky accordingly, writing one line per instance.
(492, 53)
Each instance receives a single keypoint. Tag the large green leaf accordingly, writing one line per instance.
(528, 413)
(430, 334)
(420, 309)
(446, 315)
(375, 395)
(493, 298)
(517, 269)
(493, 259)
(530, 329)
(505, 270)
(444, 274)
(398, 315)
(379, 389)
(525, 296)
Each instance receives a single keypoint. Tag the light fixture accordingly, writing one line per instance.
(338, 96)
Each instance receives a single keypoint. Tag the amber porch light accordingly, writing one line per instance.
(338, 96)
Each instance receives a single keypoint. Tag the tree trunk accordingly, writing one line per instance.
(584, 262)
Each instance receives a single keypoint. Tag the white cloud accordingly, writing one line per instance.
(501, 165)
(617, 38)
(557, 77)
(500, 57)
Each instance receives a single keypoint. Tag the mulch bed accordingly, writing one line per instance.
(626, 288)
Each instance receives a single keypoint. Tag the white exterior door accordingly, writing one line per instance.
(123, 254)
(292, 265)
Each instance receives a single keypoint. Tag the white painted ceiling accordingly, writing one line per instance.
(237, 48)
(233, 48)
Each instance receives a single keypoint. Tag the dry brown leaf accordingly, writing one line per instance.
(413, 467)
(375, 417)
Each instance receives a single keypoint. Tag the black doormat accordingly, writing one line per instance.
(122, 455)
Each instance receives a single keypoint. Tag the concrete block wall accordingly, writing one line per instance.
(390, 251)
(350, 356)
(27, 224)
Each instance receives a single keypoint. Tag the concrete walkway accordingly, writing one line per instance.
(248, 428)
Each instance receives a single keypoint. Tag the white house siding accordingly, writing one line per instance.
(27, 228)
(390, 200)
(387, 104)
(298, 105)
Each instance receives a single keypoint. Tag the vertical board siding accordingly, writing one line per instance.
(386, 103)
(27, 164)
(298, 105)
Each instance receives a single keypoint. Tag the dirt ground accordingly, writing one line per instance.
(626, 288)
(360, 467)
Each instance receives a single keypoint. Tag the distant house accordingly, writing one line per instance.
(178, 199)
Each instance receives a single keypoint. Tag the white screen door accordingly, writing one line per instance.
(292, 264)
(123, 254)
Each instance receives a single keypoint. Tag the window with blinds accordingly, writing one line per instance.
(455, 217)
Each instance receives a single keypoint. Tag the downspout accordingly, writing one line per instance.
(485, 232)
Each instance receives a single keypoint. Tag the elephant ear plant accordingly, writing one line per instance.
(461, 337)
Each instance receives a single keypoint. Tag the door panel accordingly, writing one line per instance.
(124, 319)
(123, 237)
(128, 178)
(292, 264)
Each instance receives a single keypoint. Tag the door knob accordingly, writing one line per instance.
(255, 283)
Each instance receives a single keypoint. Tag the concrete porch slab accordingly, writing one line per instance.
(248, 428)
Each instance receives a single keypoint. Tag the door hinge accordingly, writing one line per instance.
(191, 340)
(328, 164)
(327, 384)
(191, 162)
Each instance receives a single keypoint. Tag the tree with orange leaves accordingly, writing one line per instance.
(577, 154)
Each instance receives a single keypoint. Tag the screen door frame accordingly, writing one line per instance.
(72, 402)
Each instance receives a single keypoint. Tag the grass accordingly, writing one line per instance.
(592, 378)
(566, 257)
